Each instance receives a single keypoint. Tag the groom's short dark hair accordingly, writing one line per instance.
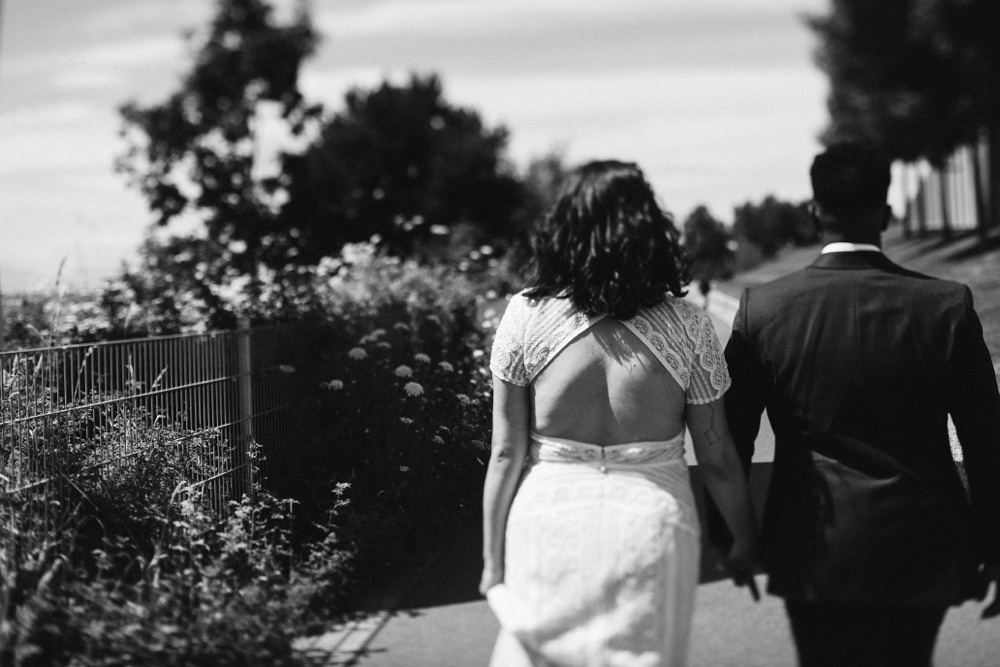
(850, 178)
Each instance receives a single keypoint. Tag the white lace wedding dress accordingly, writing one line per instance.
(603, 543)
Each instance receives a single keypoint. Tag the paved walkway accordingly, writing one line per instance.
(436, 617)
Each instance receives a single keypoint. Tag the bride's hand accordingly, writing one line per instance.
(742, 562)
(491, 577)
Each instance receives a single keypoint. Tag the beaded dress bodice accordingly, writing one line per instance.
(678, 333)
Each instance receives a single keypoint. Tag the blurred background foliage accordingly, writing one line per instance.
(398, 166)
(919, 78)
(244, 228)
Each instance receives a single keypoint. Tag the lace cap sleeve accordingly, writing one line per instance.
(709, 378)
(507, 357)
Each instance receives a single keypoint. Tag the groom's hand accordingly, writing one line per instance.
(992, 575)
(742, 562)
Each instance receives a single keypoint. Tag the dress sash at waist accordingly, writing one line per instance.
(547, 448)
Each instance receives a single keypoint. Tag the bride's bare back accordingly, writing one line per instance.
(607, 388)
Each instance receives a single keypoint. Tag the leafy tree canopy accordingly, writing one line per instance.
(195, 153)
(402, 163)
(913, 76)
(709, 245)
(773, 224)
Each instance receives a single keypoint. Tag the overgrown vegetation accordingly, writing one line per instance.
(391, 425)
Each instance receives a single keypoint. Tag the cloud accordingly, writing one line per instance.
(89, 79)
(80, 214)
(43, 117)
(74, 134)
(703, 135)
(119, 55)
(445, 17)
(330, 85)
(144, 16)
(713, 134)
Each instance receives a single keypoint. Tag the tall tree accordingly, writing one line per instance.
(773, 224)
(914, 76)
(399, 162)
(709, 245)
(196, 154)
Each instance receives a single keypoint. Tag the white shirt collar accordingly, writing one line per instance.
(844, 246)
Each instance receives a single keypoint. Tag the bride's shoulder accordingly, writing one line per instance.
(677, 305)
(548, 305)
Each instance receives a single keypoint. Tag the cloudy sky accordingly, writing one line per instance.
(718, 100)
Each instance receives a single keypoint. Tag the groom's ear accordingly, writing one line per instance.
(816, 215)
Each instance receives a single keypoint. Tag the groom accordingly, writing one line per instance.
(867, 531)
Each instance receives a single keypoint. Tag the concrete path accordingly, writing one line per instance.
(436, 617)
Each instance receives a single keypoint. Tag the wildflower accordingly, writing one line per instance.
(403, 371)
(401, 326)
(463, 399)
(437, 440)
(446, 367)
(357, 353)
(433, 318)
(477, 353)
(382, 345)
(406, 420)
(421, 358)
(491, 294)
(404, 468)
(187, 507)
(285, 368)
(371, 337)
(413, 389)
(332, 385)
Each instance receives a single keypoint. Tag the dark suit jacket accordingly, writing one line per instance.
(859, 362)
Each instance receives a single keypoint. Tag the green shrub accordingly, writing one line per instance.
(392, 419)
(200, 589)
(396, 405)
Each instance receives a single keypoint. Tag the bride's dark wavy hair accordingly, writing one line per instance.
(606, 245)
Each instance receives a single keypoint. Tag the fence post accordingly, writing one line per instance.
(245, 384)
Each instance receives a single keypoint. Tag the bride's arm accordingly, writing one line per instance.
(511, 411)
(723, 476)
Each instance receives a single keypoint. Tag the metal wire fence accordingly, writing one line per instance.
(70, 411)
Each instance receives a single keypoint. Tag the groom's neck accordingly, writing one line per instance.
(873, 238)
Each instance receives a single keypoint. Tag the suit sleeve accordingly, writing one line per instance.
(747, 397)
(975, 410)
(744, 405)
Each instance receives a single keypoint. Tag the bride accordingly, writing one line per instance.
(591, 538)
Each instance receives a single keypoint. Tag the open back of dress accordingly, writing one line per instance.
(602, 542)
